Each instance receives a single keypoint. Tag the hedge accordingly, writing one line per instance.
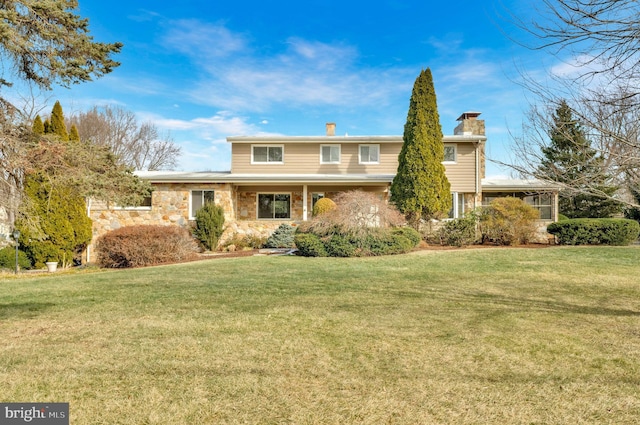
(138, 246)
(595, 231)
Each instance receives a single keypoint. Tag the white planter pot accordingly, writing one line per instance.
(52, 266)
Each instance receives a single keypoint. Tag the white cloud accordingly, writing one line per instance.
(204, 40)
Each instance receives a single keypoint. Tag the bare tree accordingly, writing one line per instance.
(139, 146)
(601, 40)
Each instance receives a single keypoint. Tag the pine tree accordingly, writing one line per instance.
(38, 125)
(571, 160)
(420, 188)
(57, 125)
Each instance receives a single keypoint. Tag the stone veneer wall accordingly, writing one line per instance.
(169, 206)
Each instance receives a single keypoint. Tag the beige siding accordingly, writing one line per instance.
(304, 158)
(462, 174)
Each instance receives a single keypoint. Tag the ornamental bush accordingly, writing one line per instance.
(209, 225)
(508, 221)
(460, 231)
(138, 246)
(408, 232)
(309, 245)
(282, 237)
(8, 259)
(595, 231)
(323, 205)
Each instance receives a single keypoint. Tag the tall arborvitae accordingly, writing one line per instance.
(38, 126)
(420, 188)
(570, 159)
(57, 125)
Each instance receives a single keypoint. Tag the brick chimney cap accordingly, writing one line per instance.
(469, 115)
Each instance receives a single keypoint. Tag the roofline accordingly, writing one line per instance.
(344, 139)
(262, 179)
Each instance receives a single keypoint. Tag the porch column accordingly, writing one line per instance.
(304, 202)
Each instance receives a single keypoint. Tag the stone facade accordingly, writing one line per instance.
(169, 206)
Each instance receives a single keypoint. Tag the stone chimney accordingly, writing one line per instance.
(469, 125)
(331, 129)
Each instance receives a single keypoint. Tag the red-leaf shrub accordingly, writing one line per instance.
(138, 246)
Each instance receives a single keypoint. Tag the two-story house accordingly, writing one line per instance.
(276, 179)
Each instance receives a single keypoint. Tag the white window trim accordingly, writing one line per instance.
(137, 208)
(331, 146)
(267, 162)
(273, 193)
(360, 161)
(455, 153)
(192, 217)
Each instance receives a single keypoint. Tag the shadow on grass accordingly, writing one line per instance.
(551, 306)
(22, 310)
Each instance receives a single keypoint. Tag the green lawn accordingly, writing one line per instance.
(474, 336)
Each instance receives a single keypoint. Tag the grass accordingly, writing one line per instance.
(517, 336)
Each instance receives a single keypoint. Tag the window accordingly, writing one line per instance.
(144, 205)
(369, 154)
(330, 154)
(450, 153)
(198, 199)
(274, 205)
(457, 205)
(267, 154)
(315, 197)
(543, 202)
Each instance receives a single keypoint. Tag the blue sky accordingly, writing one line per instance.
(207, 70)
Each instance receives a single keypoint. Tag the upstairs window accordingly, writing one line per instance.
(450, 154)
(369, 154)
(198, 199)
(330, 154)
(269, 154)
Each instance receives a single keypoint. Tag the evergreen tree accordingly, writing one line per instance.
(420, 188)
(57, 125)
(74, 136)
(38, 125)
(62, 228)
(47, 126)
(569, 159)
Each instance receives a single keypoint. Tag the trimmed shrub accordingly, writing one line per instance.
(408, 232)
(309, 245)
(340, 246)
(508, 221)
(595, 231)
(138, 246)
(460, 231)
(209, 225)
(562, 217)
(387, 243)
(323, 205)
(240, 242)
(8, 259)
(282, 237)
